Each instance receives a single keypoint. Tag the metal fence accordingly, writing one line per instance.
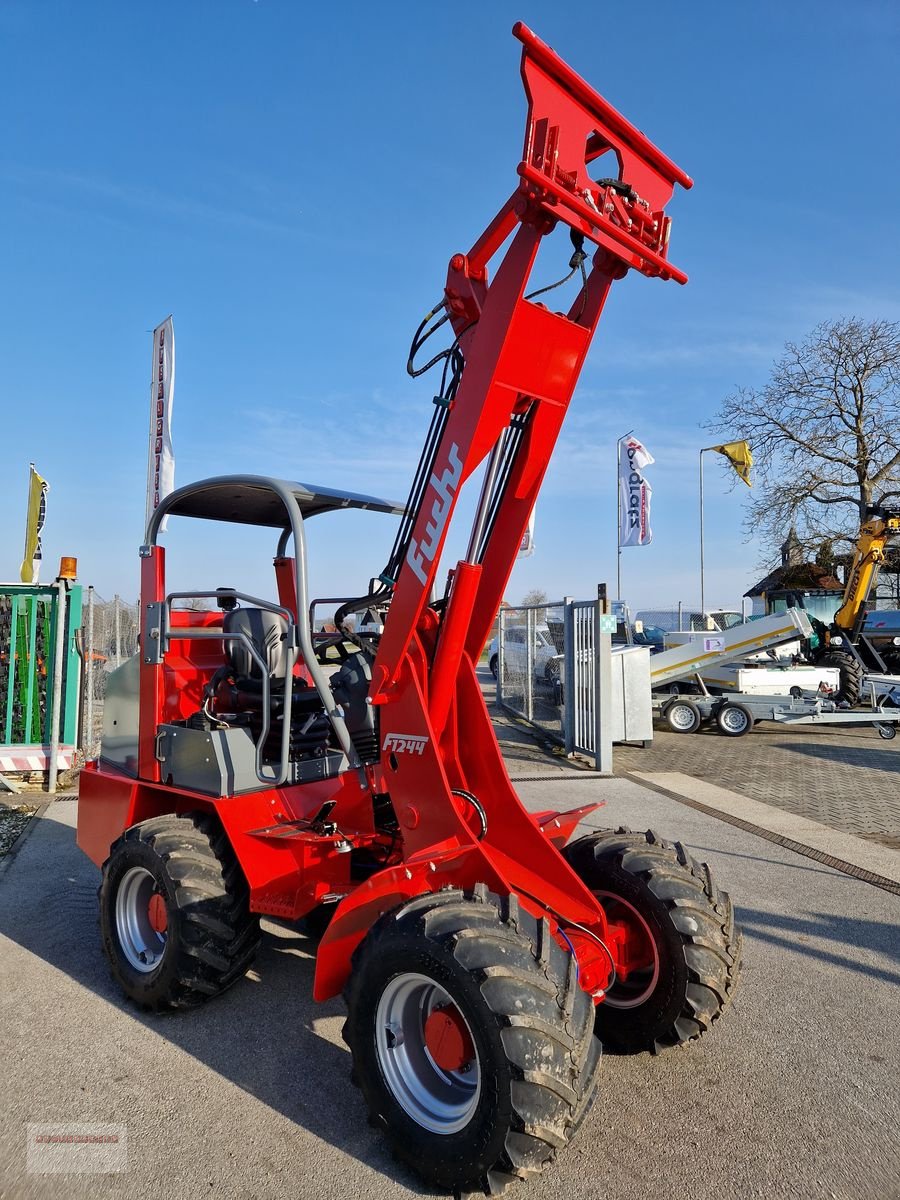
(40, 674)
(110, 637)
(553, 667)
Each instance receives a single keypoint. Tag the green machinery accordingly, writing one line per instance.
(29, 627)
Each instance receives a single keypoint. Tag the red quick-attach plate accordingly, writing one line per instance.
(570, 129)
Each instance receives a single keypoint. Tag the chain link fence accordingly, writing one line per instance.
(529, 654)
(555, 668)
(110, 633)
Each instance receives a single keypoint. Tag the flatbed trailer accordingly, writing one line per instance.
(735, 715)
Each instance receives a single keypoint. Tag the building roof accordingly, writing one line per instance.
(800, 576)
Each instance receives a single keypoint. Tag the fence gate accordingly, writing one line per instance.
(29, 628)
(554, 671)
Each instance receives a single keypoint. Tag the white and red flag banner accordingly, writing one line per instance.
(161, 462)
(634, 493)
(526, 546)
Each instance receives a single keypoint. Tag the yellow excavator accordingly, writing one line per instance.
(841, 643)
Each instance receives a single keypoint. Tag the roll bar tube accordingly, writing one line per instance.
(302, 626)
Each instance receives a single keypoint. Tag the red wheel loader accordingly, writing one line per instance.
(250, 767)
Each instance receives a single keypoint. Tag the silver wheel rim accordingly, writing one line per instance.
(439, 1100)
(142, 946)
(681, 716)
(639, 985)
(734, 720)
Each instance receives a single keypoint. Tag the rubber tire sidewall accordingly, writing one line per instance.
(679, 702)
(664, 1006)
(482, 1140)
(734, 733)
(145, 987)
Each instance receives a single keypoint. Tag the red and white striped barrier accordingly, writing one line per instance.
(34, 758)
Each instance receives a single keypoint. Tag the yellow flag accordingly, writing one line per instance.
(738, 454)
(37, 491)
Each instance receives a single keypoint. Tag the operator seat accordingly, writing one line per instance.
(268, 631)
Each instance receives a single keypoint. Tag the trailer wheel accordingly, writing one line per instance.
(472, 1041)
(734, 720)
(682, 716)
(174, 912)
(683, 946)
(888, 732)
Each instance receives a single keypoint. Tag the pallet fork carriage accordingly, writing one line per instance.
(477, 950)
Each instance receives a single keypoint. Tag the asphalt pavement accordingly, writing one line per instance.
(793, 1094)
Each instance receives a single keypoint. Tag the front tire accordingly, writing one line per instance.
(680, 930)
(494, 665)
(174, 912)
(472, 1041)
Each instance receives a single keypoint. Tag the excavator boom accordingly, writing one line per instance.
(880, 526)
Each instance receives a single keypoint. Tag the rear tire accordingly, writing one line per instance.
(734, 720)
(682, 716)
(525, 1075)
(851, 674)
(665, 895)
(174, 912)
(494, 665)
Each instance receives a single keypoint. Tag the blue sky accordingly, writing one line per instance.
(290, 180)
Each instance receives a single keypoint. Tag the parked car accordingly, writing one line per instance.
(648, 635)
(515, 652)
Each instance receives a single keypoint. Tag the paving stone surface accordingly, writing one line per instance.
(847, 779)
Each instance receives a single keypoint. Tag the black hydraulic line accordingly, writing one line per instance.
(477, 805)
(575, 262)
(454, 363)
(515, 435)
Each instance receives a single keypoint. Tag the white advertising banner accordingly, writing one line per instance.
(161, 461)
(634, 493)
(526, 546)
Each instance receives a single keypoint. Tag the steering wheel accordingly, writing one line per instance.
(325, 643)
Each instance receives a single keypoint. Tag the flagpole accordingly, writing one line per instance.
(702, 588)
(618, 526)
(619, 515)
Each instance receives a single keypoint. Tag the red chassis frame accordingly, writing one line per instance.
(522, 361)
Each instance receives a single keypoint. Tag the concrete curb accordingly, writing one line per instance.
(873, 863)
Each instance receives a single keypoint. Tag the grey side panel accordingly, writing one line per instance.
(119, 746)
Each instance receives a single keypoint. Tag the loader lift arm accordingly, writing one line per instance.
(512, 370)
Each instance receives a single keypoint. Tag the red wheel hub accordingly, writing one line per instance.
(156, 911)
(448, 1039)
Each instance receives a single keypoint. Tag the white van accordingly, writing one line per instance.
(687, 620)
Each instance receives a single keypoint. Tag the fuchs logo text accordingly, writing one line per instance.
(421, 554)
(405, 743)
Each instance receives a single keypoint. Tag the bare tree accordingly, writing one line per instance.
(824, 431)
(535, 596)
